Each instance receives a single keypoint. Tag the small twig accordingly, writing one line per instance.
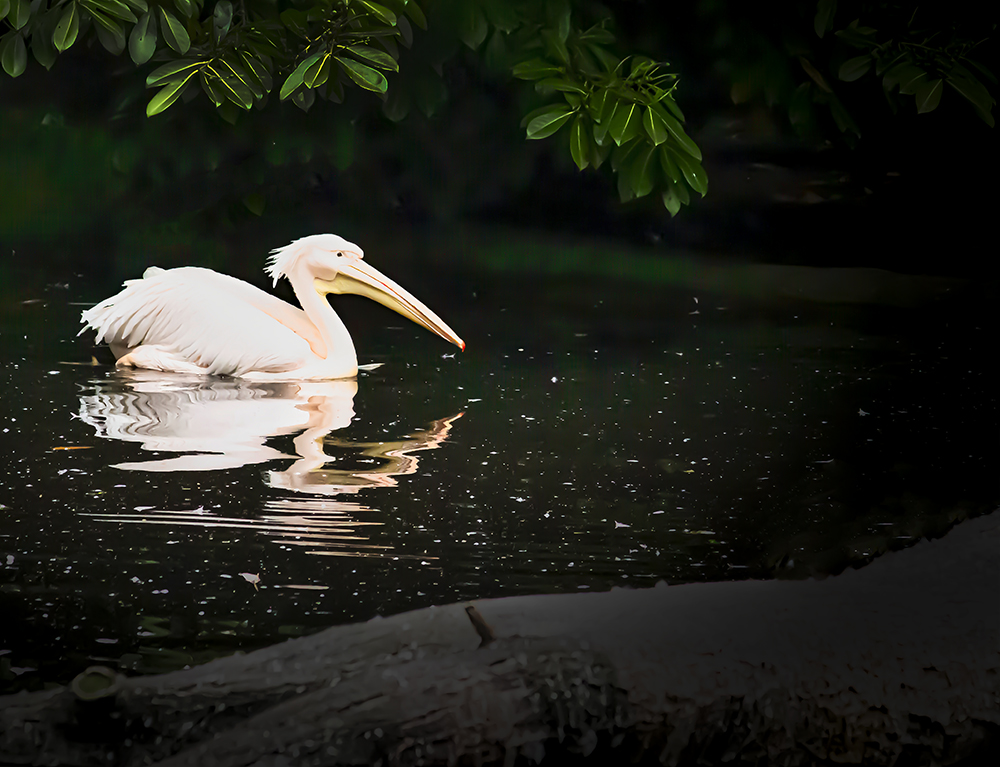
(481, 626)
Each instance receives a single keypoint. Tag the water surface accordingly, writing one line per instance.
(149, 521)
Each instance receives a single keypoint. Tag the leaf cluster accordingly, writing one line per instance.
(235, 53)
(610, 107)
(842, 58)
(614, 109)
(915, 54)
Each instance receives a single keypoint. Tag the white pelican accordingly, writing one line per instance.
(195, 320)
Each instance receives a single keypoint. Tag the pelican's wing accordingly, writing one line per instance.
(222, 324)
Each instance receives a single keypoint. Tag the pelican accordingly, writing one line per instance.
(195, 320)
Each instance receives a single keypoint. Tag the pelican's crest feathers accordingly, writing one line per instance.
(282, 260)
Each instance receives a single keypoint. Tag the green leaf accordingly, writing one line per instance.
(929, 95)
(620, 156)
(608, 60)
(222, 17)
(20, 11)
(670, 169)
(598, 34)
(169, 71)
(186, 7)
(815, 74)
(579, 142)
(656, 129)
(595, 104)
(366, 77)
(625, 193)
(912, 80)
(212, 89)
(854, 68)
(41, 45)
(296, 78)
(380, 11)
(603, 124)
(677, 131)
(551, 120)
(255, 202)
(672, 107)
(472, 26)
(430, 94)
(670, 201)
(903, 72)
(109, 32)
(169, 94)
(296, 22)
(682, 193)
(405, 34)
(550, 84)
(229, 112)
(304, 99)
(963, 81)
(502, 15)
(982, 68)
(496, 56)
(174, 33)
(558, 15)
(555, 47)
(230, 86)
(842, 117)
(113, 8)
(335, 89)
(413, 11)
(13, 54)
(311, 77)
(599, 153)
(858, 37)
(4, 7)
(640, 170)
(232, 68)
(67, 29)
(535, 69)
(887, 62)
(373, 56)
(258, 69)
(694, 174)
(626, 122)
(397, 105)
(535, 113)
(139, 5)
(142, 41)
(825, 9)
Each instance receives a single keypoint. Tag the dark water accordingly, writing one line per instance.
(606, 441)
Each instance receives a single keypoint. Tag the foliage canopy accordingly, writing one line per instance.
(608, 107)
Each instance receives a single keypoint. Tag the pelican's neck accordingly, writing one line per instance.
(340, 355)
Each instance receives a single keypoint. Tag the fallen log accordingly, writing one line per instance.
(896, 662)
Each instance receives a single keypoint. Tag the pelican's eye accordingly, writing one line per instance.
(340, 253)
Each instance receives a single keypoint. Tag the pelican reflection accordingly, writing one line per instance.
(223, 423)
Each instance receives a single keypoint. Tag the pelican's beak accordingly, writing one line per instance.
(359, 278)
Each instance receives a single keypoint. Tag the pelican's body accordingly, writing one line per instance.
(194, 320)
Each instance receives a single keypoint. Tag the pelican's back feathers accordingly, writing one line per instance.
(224, 325)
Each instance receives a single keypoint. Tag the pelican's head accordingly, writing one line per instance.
(336, 266)
(319, 253)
